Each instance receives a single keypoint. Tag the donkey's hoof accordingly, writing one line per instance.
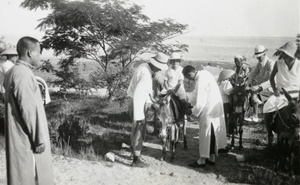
(162, 159)
(185, 147)
(241, 147)
(232, 147)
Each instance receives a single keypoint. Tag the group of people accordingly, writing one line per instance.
(210, 97)
(27, 137)
(205, 99)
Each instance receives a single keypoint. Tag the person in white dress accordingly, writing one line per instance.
(139, 89)
(208, 108)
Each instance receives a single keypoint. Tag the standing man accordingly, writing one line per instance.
(259, 79)
(28, 152)
(139, 89)
(208, 107)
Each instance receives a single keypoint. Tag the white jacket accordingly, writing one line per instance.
(139, 89)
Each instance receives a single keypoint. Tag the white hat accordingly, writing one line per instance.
(175, 56)
(259, 51)
(160, 61)
(9, 51)
(289, 48)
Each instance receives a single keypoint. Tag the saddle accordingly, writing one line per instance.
(180, 107)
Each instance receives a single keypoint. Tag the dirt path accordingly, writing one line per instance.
(73, 171)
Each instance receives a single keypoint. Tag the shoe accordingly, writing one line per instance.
(196, 165)
(248, 119)
(138, 163)
(255, 119)
(210, 162)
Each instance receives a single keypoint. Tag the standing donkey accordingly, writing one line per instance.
(286, 123)
(168, 124)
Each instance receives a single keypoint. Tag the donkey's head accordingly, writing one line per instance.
(164, 114)
(293, 115)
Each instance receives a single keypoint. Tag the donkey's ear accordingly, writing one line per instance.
(287, 95)
(152, 99)
(166, 99)
(155, 106)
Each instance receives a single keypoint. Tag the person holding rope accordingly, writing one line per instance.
(208, 108)
(285, 74)
(258, 79)
(141, 85)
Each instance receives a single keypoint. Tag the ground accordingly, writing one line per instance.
(227, 170)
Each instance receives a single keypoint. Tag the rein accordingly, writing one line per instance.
(277, 112)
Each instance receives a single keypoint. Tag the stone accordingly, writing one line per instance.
(110, 157)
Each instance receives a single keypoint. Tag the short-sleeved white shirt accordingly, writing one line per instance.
(173, 76)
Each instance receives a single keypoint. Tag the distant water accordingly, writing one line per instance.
(223, 49)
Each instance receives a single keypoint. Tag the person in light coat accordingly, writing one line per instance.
(258, 78)
(139, 89)
(28, 151)
(208, 107)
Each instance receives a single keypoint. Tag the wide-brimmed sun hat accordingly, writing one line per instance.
(175, 56)
(160, 61)
(9, 51)
(225, 74)
(289, 49)
(259, 51)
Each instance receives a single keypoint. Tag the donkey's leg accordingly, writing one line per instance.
(240, 121)
(164, 148)
(173, 135)
(268, 120)
(184, 132)
(279, 151)
(291, 162)
(232, 128)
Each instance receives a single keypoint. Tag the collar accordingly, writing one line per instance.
(26, 64)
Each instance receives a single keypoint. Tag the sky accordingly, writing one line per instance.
(205, 17)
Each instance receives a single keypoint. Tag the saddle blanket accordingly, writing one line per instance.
(275, 103)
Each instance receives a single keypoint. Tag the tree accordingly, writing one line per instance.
(107, 31)
(111, 32)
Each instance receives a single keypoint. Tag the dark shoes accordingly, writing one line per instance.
(210, 162)
(196, 165)
(137, 162)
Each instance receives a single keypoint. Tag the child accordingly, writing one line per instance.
(226, 89)
(173, 83)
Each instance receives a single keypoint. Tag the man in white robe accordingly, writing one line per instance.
(139, 89)
(208, 107)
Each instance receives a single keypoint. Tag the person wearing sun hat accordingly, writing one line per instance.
(11, 58)
(139, 89)
(258, 79)
(285, 74)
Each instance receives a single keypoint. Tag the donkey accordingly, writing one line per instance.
(168, 125)
(286, 123)
(238, 98)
